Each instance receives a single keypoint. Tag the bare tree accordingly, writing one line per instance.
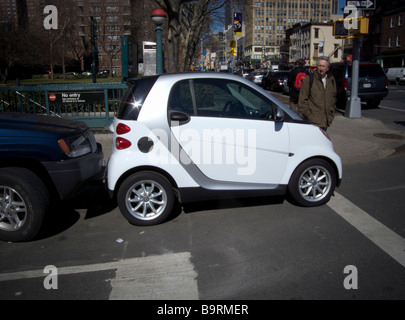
(13, 49)
(186, 19)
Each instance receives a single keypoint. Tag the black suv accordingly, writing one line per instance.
(373, 83)
(42, 158)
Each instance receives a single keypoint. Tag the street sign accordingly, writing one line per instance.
(365, 5)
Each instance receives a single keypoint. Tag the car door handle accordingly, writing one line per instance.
(178, 118)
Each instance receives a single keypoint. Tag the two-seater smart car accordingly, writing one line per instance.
(197, 136)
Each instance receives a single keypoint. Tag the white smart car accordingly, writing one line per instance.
(200, 136)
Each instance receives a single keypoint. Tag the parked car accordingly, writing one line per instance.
(190, 137)
(276, 81)
(256, 77)
(41, 158)
(243, 72)
(373, 83)
(396, 75)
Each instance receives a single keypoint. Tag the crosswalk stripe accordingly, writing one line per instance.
(389, 241)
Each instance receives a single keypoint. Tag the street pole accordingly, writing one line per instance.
(159, 51)
(158, 17)
(353, 104)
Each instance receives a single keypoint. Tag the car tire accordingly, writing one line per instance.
(312, 183)
(373, 104)
(146, 198)
(24, 200)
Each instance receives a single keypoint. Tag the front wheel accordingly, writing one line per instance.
(146, 198)
(24, 201)
(313, 183)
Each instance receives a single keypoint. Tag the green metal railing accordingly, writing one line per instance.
(94, 103)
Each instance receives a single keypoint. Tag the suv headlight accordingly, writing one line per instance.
(79, 145)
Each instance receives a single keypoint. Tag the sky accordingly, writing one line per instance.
(341, 5)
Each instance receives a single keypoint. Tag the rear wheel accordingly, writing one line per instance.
(312, 183)
(146, 198)
(24, 201)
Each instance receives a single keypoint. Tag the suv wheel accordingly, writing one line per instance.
(24, 201)
(312, 183)
(146, 198)
(373, 104)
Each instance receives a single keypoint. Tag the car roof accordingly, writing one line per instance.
(194, 75)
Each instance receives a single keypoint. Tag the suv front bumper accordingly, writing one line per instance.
(69, 175)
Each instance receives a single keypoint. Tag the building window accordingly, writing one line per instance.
(392, 22)
(398, 41)
(390, 42)
(400, 21)
(336, 54)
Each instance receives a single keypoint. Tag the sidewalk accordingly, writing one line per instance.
(355, 140)
(358, 140)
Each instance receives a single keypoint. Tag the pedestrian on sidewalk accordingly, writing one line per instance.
(295, 80)
(317, 100)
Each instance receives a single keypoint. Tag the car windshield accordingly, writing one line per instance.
(281, 74)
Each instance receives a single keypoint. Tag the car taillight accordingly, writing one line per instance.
(122, 128)
(122, 143)
(386, 82)
(344, 84)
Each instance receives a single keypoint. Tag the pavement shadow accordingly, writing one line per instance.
(93, 198)
(219, 204)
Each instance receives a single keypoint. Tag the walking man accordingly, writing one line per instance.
(317, 100)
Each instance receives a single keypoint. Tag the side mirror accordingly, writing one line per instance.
(278, 114)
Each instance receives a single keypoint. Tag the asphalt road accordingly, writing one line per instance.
(247, 249)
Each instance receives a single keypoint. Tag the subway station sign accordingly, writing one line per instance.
(76, 97)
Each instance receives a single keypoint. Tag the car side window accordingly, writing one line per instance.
(227, 98)
(213, 99)
(180, 98)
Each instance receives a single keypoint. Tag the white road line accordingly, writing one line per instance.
(389, 241)
(389, 108)
(61, 271)
(168, 277)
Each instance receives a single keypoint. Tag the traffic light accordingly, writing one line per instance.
(339, 29)
(350, 28)
(362, 26)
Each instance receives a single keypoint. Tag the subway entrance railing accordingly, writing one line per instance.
(94, 103)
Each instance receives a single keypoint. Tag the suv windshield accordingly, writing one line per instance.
(134, 98)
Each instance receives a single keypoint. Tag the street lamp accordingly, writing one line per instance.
(159, 16)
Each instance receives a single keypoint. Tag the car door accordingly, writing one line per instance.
(227, 130)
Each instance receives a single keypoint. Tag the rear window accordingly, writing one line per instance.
(369, 71)
(134, 98)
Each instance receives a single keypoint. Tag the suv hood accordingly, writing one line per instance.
(38, 125)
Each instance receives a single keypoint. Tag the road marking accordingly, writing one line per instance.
(166, 277)
(386, 239)
(389, 108)
(169, 277)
